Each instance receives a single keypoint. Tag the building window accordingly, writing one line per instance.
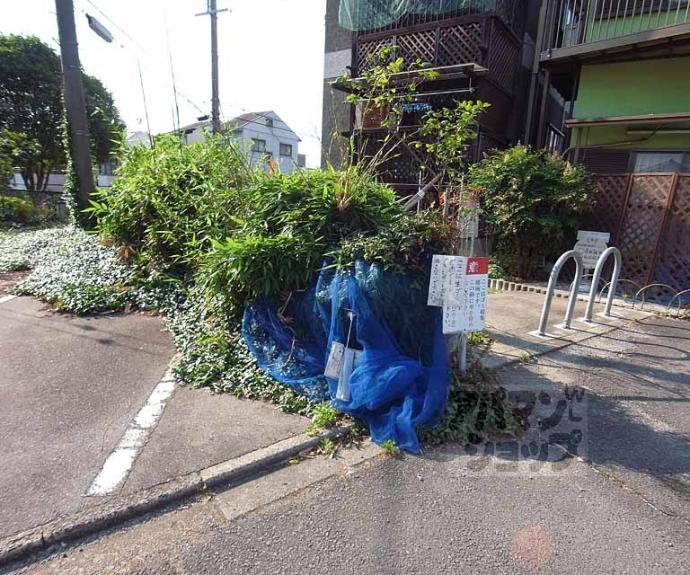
(269, 122)
(107, 168)
(286, 150)
(655, 162)
(258, 145)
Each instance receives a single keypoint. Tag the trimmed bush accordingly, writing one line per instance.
(534, 202)
(14, 209)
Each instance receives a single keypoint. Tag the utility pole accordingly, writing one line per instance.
(75, 105)
(212, 11)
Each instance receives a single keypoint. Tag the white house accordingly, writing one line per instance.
(265, 135)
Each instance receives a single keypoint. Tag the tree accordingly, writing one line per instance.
(31, 106)
(104, 120)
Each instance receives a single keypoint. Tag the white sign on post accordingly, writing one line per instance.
(591, 245)
(437, 280)
(460, 285)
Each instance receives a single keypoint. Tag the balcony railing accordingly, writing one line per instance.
(579, 23)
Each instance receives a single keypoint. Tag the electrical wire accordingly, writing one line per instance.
(142, 51)
(175, 90)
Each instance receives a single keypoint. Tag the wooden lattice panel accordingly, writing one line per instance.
(610, 202)
(644, 216)
(460, 44)
(673, 266)
(503, 58)
(399, 168)
(420, 45)
(367, 52)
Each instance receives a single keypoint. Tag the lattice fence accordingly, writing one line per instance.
(503, 57)
(673, 265)
(459, 44)
(610, 203)
(368, 51)
(399, 168)
(444, 46)
(642, 225)
(652, 214)
(419, 45)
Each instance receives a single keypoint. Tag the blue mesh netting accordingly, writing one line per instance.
(361, 15)
(400, 381)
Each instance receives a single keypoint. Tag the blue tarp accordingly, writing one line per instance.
(401, 380)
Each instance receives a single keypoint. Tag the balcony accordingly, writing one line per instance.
(587, 29)
(485, 33)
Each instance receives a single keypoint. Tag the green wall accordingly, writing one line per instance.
(605, 28)
(630, 89)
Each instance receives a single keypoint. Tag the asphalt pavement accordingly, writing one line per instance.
(422, 515)
(77, 392)
(617, 502)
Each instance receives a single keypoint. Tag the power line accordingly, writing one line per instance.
(114, 24)
(142, 51)
(172, 75)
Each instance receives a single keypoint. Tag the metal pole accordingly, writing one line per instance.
(463, 353)
(212, 11)
(618, 261)
(574, 290)
(543, 321)
(215, 100)
(75, 105)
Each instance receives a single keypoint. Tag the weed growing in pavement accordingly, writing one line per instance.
(327, 447)
(324, 415)
(477, 409)
(391, 448)
(479, 338)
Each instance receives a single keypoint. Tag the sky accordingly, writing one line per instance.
(270, 57)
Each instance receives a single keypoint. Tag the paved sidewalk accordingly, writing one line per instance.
(72, 387)
(512, 317)
(637, 426)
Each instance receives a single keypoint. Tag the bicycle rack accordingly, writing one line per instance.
(620, 281)
(680, 293)
(645, 288)
(572, 300)
(618, 263)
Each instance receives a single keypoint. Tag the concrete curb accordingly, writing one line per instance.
(90, 521)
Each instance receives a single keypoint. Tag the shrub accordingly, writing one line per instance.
(288, 224)
(534, 201)
(405, 245)
(18, 210)
(169, 201)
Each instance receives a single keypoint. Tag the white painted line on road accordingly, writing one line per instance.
(120, 462)
(7, 298)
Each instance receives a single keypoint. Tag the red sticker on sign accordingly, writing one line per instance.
(477, 266)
